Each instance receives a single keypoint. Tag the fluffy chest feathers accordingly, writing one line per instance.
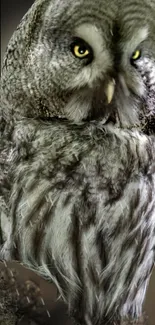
(83, 213)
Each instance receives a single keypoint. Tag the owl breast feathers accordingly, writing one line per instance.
(77, 164)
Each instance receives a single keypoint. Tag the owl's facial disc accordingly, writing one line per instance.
(99, 77)
(81, 77)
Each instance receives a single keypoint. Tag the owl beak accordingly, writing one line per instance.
(110, 89)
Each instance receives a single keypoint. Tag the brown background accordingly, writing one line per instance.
(12, 12)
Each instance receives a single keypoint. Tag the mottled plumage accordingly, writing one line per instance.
(78, 173)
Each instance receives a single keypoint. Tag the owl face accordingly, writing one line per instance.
(83, 63)
(88, 61)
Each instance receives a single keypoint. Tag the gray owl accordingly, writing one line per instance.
(78, 152)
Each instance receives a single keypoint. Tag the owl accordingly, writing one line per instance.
(78, 152)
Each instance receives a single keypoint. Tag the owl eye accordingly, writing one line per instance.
(136, 55)
(81, 49)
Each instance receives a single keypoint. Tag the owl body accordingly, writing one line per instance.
(77, 178)
(83, 213)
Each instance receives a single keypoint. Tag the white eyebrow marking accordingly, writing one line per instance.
(139, 36)
(92, 35)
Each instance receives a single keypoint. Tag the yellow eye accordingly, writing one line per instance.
(136, 55)
(80, 51)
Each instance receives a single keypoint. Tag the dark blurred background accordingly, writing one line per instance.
(11, 14)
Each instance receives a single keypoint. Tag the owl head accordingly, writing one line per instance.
(82, 60)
